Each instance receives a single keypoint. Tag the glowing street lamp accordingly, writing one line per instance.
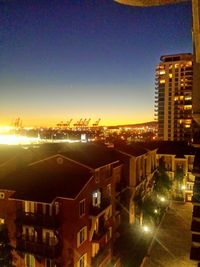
(183, 187)
(146, 229)
(162, 199)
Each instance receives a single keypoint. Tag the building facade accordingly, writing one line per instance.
(173, 100)
(195, 249)
(61, 212)
(139, 167)
(177, 159)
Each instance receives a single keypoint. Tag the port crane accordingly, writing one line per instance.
(96, 123)
(17, 123)
(64, 124)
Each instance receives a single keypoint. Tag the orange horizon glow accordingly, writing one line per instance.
(51, 122)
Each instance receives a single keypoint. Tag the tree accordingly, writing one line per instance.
(178, 180)
(5, 248)
(162, 182)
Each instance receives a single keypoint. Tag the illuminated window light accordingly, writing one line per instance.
(162, 72)
(162, 81)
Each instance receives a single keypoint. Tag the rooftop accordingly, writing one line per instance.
(47, 179)
(133, 149)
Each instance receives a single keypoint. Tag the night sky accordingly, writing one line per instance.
(84, 58)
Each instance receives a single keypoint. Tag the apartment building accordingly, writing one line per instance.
(173, 99)
(139, 166)
(61, 210)
(177, 158)
(195, 226)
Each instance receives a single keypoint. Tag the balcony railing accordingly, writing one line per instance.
(118, 187)
(195, 227)
(96, 210)
(97, 236)
(196, 198)
(195, 253)
(43, 220)
(98, 259)
(39, 249)
(196, 211)
(196, 238)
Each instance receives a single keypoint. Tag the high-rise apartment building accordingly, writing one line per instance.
(173, 100)
(195, 249)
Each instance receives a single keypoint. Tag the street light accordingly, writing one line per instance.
(146, 229)
(183, 187)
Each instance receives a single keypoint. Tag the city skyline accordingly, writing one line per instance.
(85, 60)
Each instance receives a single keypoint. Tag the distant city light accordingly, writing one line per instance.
(6, 128)
(25, 140)
(17, 140)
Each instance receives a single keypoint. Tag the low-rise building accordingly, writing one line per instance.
(177, 159)
(139, 166)
(61, 210)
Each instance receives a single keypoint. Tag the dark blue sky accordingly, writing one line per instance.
(84, 58)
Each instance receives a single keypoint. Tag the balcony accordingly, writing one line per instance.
(102, 257)
(196, 212)
(195, 227)
(195, 253)
(101, 234)
(42, 220)
(196, 238)
(97, 210)
(39, 249)
(119, 187)
(196, 191)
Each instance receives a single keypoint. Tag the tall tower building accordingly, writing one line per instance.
(173, 100)
(195, 248)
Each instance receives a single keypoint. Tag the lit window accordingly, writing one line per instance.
(162, 81)
(189, 63)
(82, 236)
(29, 233)
(188, 98)
(29, 260)
(2, 221)
(162, 72)
(95, 249)
(170, 75)
(187, 107)
(82, 207)
(49, 237)
(83, 261)
(29, 207)
(2, 195)
(96, 198)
